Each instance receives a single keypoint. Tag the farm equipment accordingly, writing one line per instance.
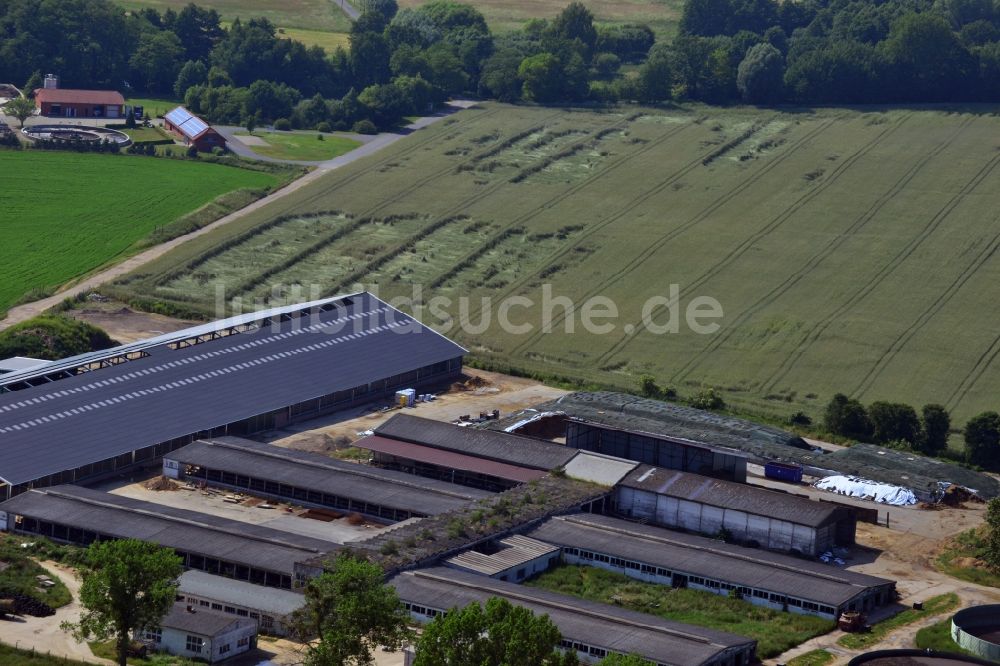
(851, 621)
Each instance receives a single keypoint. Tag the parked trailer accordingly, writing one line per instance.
(783, 472)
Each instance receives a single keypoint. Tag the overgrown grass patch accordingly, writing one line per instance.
(20, 575)
(106, 650)
(937, 637)
(962, 559)
(933, 606)
(818, 657)
(11, 656)
(303, 146)
(774, 631)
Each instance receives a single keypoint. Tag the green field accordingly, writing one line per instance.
(321, 15)
(851, 251)
(304, 146)
(774, 631)
(66, 214)
(154, 107)
(507, 15)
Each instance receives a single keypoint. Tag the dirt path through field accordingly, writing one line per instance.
(26, 311)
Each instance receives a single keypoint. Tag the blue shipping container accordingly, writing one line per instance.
(783, 472)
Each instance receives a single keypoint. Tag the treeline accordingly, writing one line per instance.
(833, 51)
(898, 426)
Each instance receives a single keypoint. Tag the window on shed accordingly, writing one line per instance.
(194, 644)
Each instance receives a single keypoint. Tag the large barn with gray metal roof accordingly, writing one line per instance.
(96, 414)
(592, 629)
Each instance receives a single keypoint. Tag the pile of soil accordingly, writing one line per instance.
(472, 382)
(161, 483)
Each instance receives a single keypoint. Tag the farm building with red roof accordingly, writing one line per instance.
(193, 130)
(68, 103)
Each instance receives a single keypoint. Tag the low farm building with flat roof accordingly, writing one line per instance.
(469, 456)
(678, 559)
(69, 103)
(313, 479)
(189, 631)
(270, 608)
(229, 548)
(97, 414)
(591, 629)
(750, 514)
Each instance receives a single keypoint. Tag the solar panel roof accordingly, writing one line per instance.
(189, 124)
(173, 393)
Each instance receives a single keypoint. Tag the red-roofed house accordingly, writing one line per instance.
(67, 103)
(193, 130)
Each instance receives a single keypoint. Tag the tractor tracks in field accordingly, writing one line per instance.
(816, 259)
(691, 165)
(884, 271)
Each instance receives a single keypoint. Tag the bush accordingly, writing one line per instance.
(319, 137)
(323, 127)
(192, 152)
(708, 399)
(282, 124)
(364, 127)
(218, 150)
(52, 337)
(800, 419)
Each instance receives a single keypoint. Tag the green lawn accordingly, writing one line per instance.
(303, 146)
(154, 107)
(774, 631)
(812, 658)
(964, 549)
(305, 14)
(142, 134)
(933, 606)
(106, 650)
(66, 214)
(937, 637)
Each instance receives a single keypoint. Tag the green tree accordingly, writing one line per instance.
(928, 62)
(708, 399)
(193, 73)
(656, 77)
(155, 62)
(936, 423)
(352, 611)
(543, 77)
(496, 635)
(992, 554)
(127, 585)
(624, 660)
(760, 76)
(893, 421)
(982, 439)
(250, 122)
(576, 23)
(21, 108)
(847, 417)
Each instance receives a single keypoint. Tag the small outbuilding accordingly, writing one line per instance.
(517, 558)
(193, 130)
(187, 631)
(69, 103)
(271, 608)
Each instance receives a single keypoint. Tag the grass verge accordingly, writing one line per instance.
(933, 606)
(962, 559)
(937, 637)
(106, 650)
(812, 658)
(11, 656)
(774, 631)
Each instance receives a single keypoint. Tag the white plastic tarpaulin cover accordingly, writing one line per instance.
(854, 486)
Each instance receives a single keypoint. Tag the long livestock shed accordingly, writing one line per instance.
(656, 555)
(594, 630)
(98, 413)
(497, 460)
(770, 518)
(210, 543)
(314, 479)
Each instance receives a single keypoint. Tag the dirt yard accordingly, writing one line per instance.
(490, 391)
(126, 325)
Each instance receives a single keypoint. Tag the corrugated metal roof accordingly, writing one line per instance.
(516, 550)
(197, 621)
(700, 556)
(172, 393)
(599, 468)
(489, 444)
(201, 533)
(321, 473)
(74, 96)
(608, 626)
(448, 459)
(269, 600)
(730, 495)
(19, 363)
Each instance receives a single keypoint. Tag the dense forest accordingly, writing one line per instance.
(403, 61)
